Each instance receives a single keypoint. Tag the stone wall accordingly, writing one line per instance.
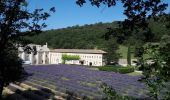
(123, 62)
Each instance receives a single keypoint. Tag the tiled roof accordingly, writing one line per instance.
(79, 51)
(38, 47)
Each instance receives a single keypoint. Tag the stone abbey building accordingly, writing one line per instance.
(44, 55)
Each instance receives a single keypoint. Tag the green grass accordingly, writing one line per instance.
(123, 52)
(134, 74)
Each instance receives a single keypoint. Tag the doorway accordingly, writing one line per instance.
(82, 62)
(90, 63)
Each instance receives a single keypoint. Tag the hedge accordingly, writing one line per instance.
(122, 70)
(125, 70)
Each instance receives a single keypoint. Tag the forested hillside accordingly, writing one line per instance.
(78, 37)
(92, 37)
(87, 36)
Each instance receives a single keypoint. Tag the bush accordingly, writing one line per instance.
(119, 69)
(125, 70)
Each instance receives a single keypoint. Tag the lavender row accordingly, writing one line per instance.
(81, 78)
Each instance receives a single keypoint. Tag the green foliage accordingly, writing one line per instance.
(91, 36)
(124, 70)
(16, 21)
(66, 57)
(83, 37)
(111, 47)
(119, 69)
(11, 69)
(122, 51)
(129, 55)
(13, 66)
(139, 16)
(156, 69)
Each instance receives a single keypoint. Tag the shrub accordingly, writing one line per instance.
(69, 57)
(125, 70)
(122, 70)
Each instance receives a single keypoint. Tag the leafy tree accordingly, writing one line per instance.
(13, 66)
(111, 47)
(129, 55)
(156, 68)
(66, 57)
(15, 22)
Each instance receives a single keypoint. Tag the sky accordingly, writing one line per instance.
(69, 14)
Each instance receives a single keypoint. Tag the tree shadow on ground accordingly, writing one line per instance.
(42, 94)
(38, 94)
(75, 96)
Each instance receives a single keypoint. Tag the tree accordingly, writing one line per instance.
(66, 57)
(129, 55)
(111, 46)
(10, 67)
(15, 22)
(156, 68)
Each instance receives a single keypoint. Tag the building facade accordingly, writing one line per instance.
(38, 54)
(43, 55)
(87, 56)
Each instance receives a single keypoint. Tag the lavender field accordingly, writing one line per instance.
(82, 81)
